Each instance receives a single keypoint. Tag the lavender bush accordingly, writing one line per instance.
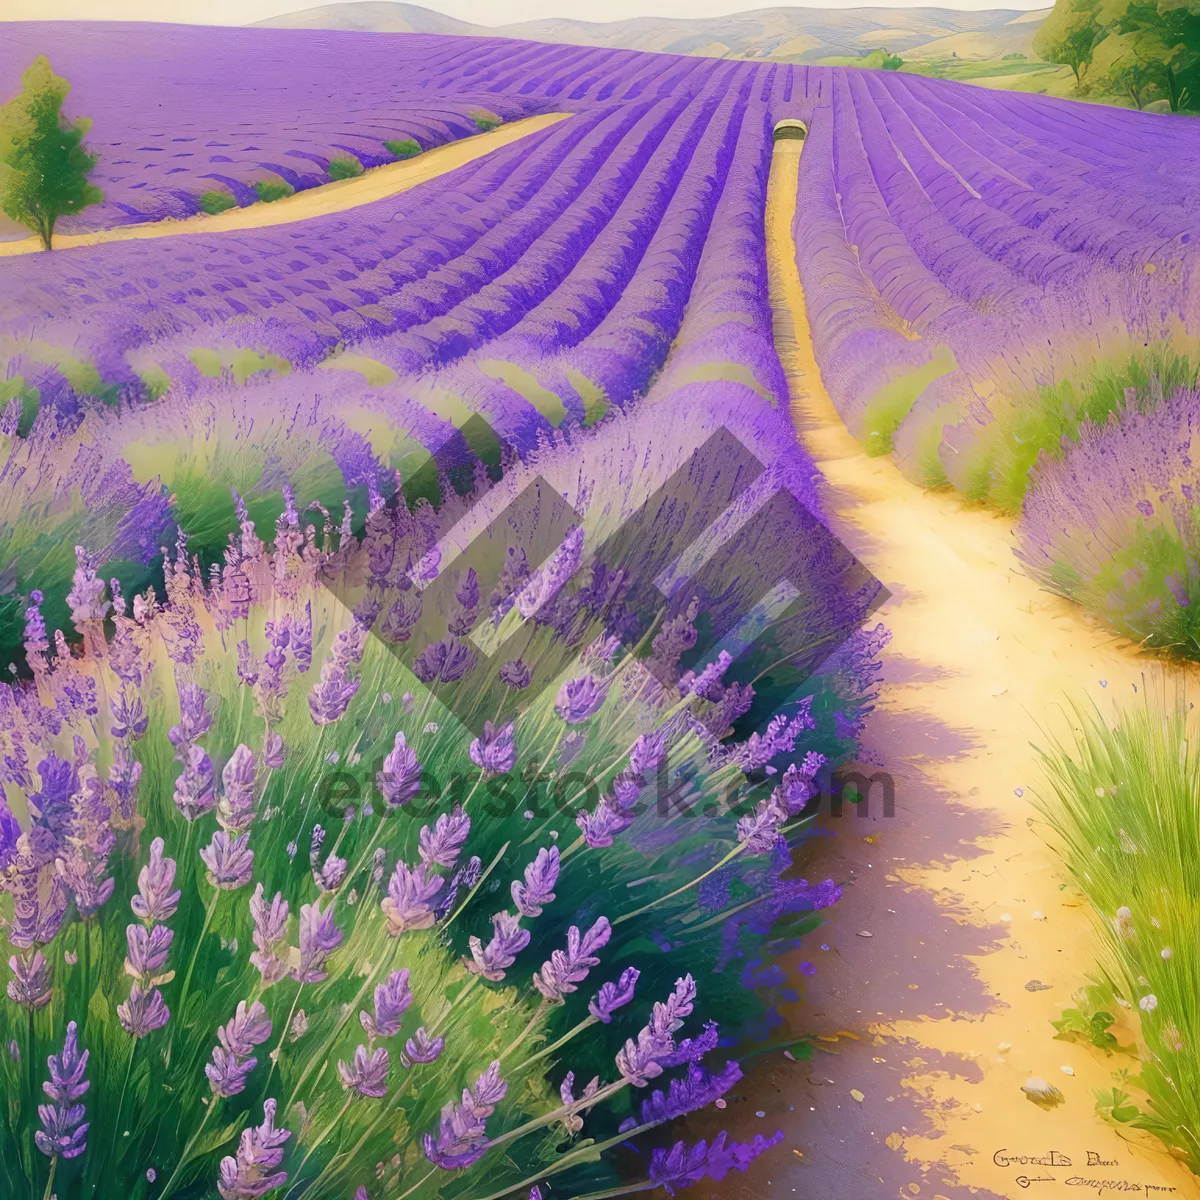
(226, 975)
(1113, 524)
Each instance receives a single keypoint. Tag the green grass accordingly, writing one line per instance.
(997, 468)
(408, 148)
(217, 202)
(345, 166)
(1124, 802)
(485, 121)
(270, 190)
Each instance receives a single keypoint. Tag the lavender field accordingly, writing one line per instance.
(242, 469)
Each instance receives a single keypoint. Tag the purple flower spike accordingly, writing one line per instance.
(537, 891)
(249, 1175)
(566, 969)
(579, 698)
(270, 931)
(682, 1166)
(441, 845)
(368, 1076)
(400, 778)
(273, 752)
(249, 1027)
(392, 1000)
(227, 1073)
(319, 938)
(448, 661)
(64, 1132)
(195, 789)
(147, 949)
(194, 718)
(697, 1089)
(508, 940)
(462, 1134)
(235, 811)
(421, 1049)
(129, 717)
(406, 905)
(544, 585)
(648, 751)
(144, 1011)
(612, 996)
(32, 983)
(230, 861)
(495, 752)
(516, 675)
(157, 898)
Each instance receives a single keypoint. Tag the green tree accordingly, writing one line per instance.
(1069, 34)
(44, 165)
(1168, 34)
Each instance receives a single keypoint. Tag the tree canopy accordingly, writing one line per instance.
(44, 165)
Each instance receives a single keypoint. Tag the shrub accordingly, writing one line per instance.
(1115, 524)
(344, 166)
(409, 148)
(484, 120)
(269, 190)
(1124, 803)
(217, 202)
(999, 465)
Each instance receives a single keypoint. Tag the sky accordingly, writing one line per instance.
(481, 12)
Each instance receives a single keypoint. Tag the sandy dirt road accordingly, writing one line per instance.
(957, 940)
(376, 184)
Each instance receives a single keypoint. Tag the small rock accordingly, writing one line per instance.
(1004, 1047)
(1039, 916)
(857, 1095)
(865, 933)
(1067, 1070)
(760, 1114)
(1036, 985)
(721, 1102)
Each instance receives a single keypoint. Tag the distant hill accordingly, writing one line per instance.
(778, 34)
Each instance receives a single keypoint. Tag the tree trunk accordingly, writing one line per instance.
(47, 232)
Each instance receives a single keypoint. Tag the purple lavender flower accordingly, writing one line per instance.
(537, 891)
(249, 1027)
(195, 789)
(368, 1076)
(508, 940)
(270, 932)
(573, 1119)
(516, 674)
(599, 828)
(400, 778)
(579, 698)
(406, 905)
(682, 1166)
(760, 830)
(448, 661)
(129, 717)
(156, 900)
(494, 752)
(302, 639)
(62, 1133)
(707, 685)
(612, 996)
(697, 1089)
(565, 969)
(32, 983)
(639, 1061)
(319, 937)
(230, 861)
(441, 845)
(194, 718)
(544, 585)
(248, 666)
(86, 597)
(227, 1073)
(147, 949)
(273, 752)
(421, 1049)
(235, 810)
(248, 1176)
(462, 1134)
(144, 1011)
(648, 751)
(392, 999)
(328, 701)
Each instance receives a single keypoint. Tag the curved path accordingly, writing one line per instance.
(947, 965)
(376, 184)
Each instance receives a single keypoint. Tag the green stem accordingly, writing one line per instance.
(637, 912)
(183, 1158)
(50, 1181)
(562, 1041)
(187, 979)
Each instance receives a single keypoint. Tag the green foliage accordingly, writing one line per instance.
(999, 465)
(217, 202)
(1090, 1023)
(484, 120)
(1011, 57)
(408, 148)
(273, 189)
(1125, 807)
(344, 166)
(1140, 50)
(44, 166)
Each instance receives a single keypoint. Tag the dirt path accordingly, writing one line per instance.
(975, 943)
(376, 184)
